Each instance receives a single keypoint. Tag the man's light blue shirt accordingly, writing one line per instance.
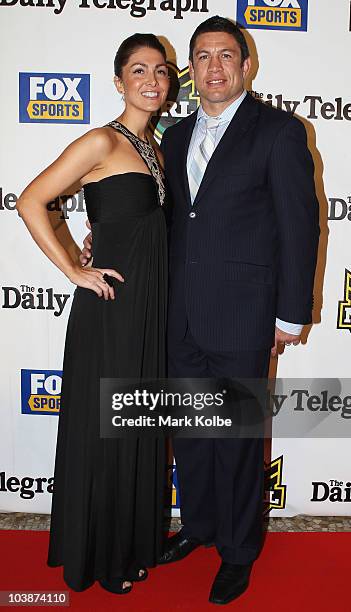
(197, 137)
(199, 130)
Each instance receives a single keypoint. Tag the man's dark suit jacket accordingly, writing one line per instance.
(245, 252)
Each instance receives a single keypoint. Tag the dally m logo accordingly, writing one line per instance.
(183, 99)
(54, 98)
(274, 488)
(273, 14)
(344, 314)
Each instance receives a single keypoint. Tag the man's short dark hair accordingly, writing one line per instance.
(220, 24)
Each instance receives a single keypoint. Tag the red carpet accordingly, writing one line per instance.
(296, 572)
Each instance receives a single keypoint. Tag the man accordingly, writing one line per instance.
(243, 247)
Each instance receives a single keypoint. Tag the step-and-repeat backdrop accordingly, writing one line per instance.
(57, 83)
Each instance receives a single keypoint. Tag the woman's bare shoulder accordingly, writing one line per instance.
(100, 138)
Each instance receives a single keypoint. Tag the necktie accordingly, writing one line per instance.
(202, 156)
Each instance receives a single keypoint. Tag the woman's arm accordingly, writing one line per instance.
(77, 160)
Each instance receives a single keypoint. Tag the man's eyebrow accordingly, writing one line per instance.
(220, 50)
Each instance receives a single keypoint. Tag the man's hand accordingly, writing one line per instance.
(283, 339)
(85, 255)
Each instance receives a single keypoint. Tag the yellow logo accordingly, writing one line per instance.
(54, 98)
(273, 14)
(41, 391)
(276, 491)
(266, 16)
(344, 313)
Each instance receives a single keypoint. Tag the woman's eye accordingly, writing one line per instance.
(138, 71)
(163, 72)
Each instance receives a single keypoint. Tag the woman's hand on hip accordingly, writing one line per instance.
(93, 278)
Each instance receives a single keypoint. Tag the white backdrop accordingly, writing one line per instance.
(77, 38)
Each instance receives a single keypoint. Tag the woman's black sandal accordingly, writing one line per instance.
(116, 585)
(133, 574)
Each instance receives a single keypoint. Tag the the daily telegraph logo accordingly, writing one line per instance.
(273, 14)
(339, 209)
(63, 204)
(183, 99)
(344, 311)
(66, 204)
(274, 487)
(30, 298)
(332, 491)
(54, 97)
(311, 107)
(41, 391)
(27, 486)
(137, 8)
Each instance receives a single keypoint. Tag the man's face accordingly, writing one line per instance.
(217, 70)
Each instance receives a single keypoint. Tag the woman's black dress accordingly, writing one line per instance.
(107, 506)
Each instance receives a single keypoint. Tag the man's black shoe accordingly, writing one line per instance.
(178, 547)
(230, 582)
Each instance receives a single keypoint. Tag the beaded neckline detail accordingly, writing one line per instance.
(145, 142)
(147, 152)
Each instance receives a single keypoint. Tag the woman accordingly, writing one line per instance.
(107, 507)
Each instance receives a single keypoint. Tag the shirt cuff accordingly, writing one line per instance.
(289, 328)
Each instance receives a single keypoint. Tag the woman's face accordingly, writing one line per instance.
(144, 82)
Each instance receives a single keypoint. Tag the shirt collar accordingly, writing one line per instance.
(227, 114)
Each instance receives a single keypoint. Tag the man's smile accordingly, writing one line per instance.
(215, 82)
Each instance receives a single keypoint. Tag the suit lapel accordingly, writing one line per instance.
(184, 148)
(235, 132)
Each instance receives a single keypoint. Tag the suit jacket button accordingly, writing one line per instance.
(192, 215)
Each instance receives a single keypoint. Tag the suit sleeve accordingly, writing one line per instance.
(291, 174)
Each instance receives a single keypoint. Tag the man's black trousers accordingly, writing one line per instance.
(221, 481)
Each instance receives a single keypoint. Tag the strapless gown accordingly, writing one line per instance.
(107, 507)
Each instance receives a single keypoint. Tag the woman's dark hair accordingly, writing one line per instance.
(132, 44)
(220, 24)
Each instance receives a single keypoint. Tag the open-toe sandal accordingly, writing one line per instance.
(116, 585)
(133, 574)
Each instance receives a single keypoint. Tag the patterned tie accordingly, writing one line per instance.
(202, 156)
